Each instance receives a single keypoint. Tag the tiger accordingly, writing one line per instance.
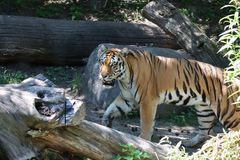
(146, 80)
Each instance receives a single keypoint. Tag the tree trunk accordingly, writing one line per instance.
(37, 115)
(37, 40)
(187, 35)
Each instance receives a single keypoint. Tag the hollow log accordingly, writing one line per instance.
(50, 41)
(34, 103)
(35, 115)
(186, 33)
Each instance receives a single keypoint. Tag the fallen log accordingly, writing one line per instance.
(33, 104)
(95, 141)
(186, 33)
(35, 115)
(50, 41)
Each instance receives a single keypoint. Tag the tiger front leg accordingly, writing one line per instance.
(147, 114)
(117, 108)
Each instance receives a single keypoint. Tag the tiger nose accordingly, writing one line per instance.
(104, 71)
(104, 76)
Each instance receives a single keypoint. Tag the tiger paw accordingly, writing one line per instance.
(107, 121)
(199, 138)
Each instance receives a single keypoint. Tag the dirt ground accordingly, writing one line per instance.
(131, 125)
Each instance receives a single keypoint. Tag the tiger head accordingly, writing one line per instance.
(112, 65)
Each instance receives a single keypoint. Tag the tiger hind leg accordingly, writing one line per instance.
(206, 119)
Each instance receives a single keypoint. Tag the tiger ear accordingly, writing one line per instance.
(125, 52)
(101, 49)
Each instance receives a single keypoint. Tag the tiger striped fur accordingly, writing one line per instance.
(146, 80)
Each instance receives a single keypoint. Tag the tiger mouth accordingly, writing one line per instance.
(108, 83)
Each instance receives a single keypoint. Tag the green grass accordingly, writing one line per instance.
(67, 77)
(58, 75)
(76, 83)
(48, 11)
(8, 76)
(132, 153)
(76, 12)
(185, 11)
(187, 117)
(223, 146)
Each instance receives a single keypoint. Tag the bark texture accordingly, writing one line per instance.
(49, 41)
(187, 34)
(35, 103)
(95, 141)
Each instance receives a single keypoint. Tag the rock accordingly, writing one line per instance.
(102, 97)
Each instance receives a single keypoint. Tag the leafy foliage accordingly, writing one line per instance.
(230, 39)
(47, 11)
(227, 145)
(184, 118)
(77, 83)
(62, 75)
(223, 146)
(128, 10)
(121, 10)
(178, 153)
(201, 10)
(218, 2)
(10, 76)
(76, 12)
(131, 153)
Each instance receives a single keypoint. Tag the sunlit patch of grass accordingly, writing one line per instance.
(223, 146)
(132, 153)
